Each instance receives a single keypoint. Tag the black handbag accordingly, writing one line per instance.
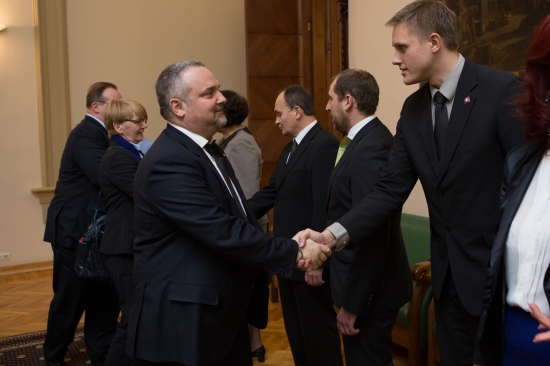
(89, 264)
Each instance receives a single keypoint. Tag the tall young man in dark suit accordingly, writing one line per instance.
(453, 135)
(298, 190)
(198, 247)
(69, 214)
(370, 280)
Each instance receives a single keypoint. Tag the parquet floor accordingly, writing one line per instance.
(24, 309)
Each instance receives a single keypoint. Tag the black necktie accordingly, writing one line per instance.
(441, 122)
(294, 145)
(219, 157)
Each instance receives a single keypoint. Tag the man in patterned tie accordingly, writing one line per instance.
(369, 282)
(298, 193)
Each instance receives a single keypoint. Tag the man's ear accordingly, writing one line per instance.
(347, 102)
(436, 43)
(178, 107)
(298, 112)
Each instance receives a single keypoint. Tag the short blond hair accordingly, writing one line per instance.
(119, 110)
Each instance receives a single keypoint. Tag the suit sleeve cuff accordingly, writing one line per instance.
(341, 235)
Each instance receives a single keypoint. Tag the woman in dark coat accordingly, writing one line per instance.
(517, 293)
(125, 121)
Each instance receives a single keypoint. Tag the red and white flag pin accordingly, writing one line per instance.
(467, 100)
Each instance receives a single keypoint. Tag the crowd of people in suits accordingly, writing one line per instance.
(186, 239)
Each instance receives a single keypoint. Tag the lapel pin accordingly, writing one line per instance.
(467, 100)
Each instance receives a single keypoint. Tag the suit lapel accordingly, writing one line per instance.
(298, 152)
(197, 150)
(427, 128)
(362, 132)
(516, 189)
(460, 113)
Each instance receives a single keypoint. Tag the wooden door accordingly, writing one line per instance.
(291, 42)
(278, 54)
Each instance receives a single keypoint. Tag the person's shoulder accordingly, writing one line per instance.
(325, 136)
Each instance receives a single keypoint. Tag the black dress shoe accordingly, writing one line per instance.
(260, 353)
(54, 363)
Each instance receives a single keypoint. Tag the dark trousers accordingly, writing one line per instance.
(239, 355)
(121, 268)
(73, 296)
(310, 322)
(372, 345)
(456, 327)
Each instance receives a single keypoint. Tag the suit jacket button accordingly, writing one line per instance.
(278, 199)
(448, 229)
(442, 192)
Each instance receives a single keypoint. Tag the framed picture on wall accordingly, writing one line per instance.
(497, 33)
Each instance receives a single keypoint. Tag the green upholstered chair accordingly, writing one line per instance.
(410, 330)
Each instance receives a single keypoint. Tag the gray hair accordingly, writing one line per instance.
(424, 17)
(171, 85)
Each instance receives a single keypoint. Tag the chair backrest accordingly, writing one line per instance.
(416, 235)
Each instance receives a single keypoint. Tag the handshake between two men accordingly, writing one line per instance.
(315, 248)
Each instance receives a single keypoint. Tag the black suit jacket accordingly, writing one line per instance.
(462, 190)
(520, 168)
(77, 187)
(298, 190)
(373, 276)
(196, 257)
(116, 176)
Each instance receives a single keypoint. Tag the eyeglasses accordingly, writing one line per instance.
(139, 120)
(100, 101)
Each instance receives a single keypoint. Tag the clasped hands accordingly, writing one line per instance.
(315, 249)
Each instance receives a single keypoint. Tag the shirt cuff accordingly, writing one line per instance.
(341, 235)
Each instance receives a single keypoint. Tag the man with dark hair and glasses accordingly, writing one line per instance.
(69, 214)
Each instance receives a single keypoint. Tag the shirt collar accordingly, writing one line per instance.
(97, 119)
(355, 129)
(304, 132)
(198, 139)
(448, 88)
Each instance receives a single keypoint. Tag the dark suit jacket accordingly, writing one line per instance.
(116, 176)
(77, 187)
(521, 165)
(462, 190)
(373, 276)
(298, 190)
(196, 257)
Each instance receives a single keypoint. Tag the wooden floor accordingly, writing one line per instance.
(24, 309)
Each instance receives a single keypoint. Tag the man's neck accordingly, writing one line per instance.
(443, 67)
(304, 122)
(355, 118)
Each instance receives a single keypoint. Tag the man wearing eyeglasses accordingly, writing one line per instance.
(69, 214)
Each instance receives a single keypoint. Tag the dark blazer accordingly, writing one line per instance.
(196, 257)
(298, 190)
(462, 189)
(520, 167)
(116, 176)
(373, 276)
(77, 187)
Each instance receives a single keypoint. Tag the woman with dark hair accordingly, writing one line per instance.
(245, 157)
(517, 293)
(125, 121)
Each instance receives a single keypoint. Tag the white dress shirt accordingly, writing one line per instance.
(527, 252)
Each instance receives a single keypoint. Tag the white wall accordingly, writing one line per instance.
(20, 213)
(370, 49)
(129, 42)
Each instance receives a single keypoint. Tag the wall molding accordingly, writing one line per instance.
(52, 70)
(29, 271)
